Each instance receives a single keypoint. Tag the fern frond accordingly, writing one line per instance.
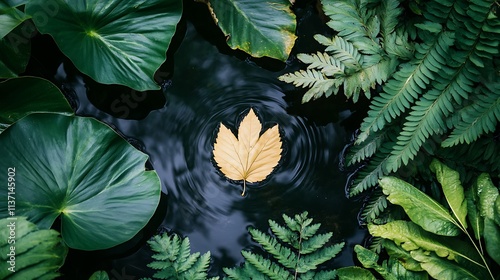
(285, 256)
(173, 259)
(365, 150)
(355, 24)
(298, 254)
(481, 155)
(322, 61)
(368, 176)
(311, 261)
(376, 204)
(407, 84)
(342, 51)
(314, 243)
(478, 118)
(266, 267)
(316, 80)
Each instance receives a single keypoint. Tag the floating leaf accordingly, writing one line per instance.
(249, 157)
(113, 42)
(82, 171)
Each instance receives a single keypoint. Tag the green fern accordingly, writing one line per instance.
(175, 261)
(364, 53)
(295, 250)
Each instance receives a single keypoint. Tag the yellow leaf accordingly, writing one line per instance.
(251, 156)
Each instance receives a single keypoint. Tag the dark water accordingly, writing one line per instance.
(203, 86)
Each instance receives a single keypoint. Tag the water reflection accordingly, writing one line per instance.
(208, 88)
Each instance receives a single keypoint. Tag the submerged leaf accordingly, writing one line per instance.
(249, 157)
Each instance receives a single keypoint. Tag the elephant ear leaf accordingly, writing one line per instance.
(452, 189)
(421, 208)
(113, 42)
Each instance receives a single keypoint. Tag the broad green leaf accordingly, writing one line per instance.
(260, 28)
(492, 239)
(15, 50)
(421, 208)
(412, 237)
(10, 18)
(354, 273)
(99, 275)
(38, 253)
(81, 170)
(452, 189)
(473, 213)
(113, 42)
(440, 268)
(20, 97)
(251, 157)
(488, 194)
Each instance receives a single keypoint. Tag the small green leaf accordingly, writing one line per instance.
(421, 208)
(354, 273)
(488, 194)
(20, 97)
(15, 50)
(99, 275)
(401, 255)
(453, 190)
(369, 259)
(492, 239)
(473, 213)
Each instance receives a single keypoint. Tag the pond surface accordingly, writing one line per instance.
(177, 128)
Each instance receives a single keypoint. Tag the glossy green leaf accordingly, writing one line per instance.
(401, 255)
(492, 239)
(496, 208)
(38, 253)
(440, 268)
(260, 28)
(99, 275)
(15, 50)
(369, 259)
(487, 193)
(412, 237)
(10, 18)
(80, 170)
(20, 97)
(421, 208)
(452, 189)
(354, 273)
(114, 42)
(473, 213)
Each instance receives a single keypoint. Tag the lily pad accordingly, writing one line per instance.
(20, 97)
(260, 28)
(80, 170)
(114, 42)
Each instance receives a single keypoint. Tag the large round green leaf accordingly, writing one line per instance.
(80, 169)
(20, 97)
(260, 28)
(114, 42)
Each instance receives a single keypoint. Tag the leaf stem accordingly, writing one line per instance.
(244, 187)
